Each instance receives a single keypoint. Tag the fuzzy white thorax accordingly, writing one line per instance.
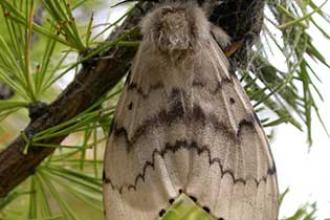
(176, 27)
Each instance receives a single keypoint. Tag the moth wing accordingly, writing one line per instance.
(137, 185)
(187, 129)
(240, 153)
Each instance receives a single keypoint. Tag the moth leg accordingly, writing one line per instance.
(232, 48)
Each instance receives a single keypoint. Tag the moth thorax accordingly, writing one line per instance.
(175, 32)
(175, 28)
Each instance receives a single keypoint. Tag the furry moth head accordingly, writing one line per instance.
(179, 27)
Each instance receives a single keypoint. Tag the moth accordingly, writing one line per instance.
(184, 125)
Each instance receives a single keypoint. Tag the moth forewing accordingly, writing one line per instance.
(184, 125)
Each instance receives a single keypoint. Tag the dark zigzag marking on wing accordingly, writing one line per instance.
(197, 83)
(139, 90)
(185, 145)
(159, 85)
(177, 112)
(220, 85)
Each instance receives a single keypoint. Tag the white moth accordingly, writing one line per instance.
(184, 124)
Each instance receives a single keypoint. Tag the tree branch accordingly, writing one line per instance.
(92, 82)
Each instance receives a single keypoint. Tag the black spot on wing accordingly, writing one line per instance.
(232, 101)
(162, 212)
(206, 209)
(193, 198)
(130, 106)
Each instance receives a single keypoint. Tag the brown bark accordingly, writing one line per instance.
(97, 77)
